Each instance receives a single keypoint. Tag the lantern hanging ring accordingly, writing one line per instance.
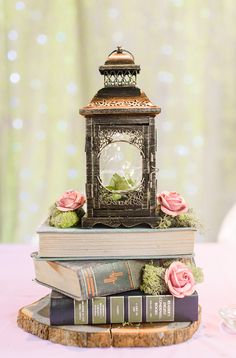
(121, 50)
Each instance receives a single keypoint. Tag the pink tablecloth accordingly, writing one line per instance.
(211, 340)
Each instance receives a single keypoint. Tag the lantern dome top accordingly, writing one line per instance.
(120, 105)
(120, 94)
(120, 57)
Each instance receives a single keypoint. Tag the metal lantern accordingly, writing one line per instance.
(120, 148)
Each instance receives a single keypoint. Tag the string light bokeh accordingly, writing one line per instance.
(50, 53)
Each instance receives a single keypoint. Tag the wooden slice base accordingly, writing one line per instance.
(35, 319)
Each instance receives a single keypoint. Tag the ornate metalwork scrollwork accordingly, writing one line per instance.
(107, 136)
(120, 103)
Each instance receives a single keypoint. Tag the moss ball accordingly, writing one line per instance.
(64, 219)
(153, 282)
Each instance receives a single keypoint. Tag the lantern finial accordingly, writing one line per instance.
(119, 49)
(119, 69)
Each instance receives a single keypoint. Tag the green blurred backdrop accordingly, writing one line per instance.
(50, 53)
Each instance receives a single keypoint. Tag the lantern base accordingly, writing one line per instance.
(115, 222)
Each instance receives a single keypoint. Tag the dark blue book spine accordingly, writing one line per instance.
(133, 307)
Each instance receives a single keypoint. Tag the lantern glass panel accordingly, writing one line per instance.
(120, 166)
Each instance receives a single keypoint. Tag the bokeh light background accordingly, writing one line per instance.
(50, 53)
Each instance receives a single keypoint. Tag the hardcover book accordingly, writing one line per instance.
(120, 243)
(133, 307)
(85, 279)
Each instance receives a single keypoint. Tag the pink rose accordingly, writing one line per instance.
(180, 280)
(172, 203)
(70, 200)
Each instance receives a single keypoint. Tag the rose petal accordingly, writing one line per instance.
(167, 211)
(70, 200)
(179, 279)
(174, 279)
(165, 202)
(172, 203)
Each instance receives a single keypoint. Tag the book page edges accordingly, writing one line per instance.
(118, 245)
(55, 275)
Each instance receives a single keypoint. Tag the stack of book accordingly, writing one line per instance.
(95, 274)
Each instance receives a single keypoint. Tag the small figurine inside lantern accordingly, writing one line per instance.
(120, 148)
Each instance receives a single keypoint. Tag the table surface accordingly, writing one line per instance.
(212, 339)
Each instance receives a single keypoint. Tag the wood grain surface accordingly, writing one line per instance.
(34, 319)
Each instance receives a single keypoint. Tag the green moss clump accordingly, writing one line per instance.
(168, 262)
(188, 219)
(197, 273)
(53, 211)
(131, 324)
(64, 219)
(153, 282)
(165, 222)
(153, 277)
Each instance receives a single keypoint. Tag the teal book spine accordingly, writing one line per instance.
(106, 278)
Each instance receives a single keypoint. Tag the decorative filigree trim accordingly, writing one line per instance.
(107, 136)
(120, 78)
(141, 101)
(120, 103)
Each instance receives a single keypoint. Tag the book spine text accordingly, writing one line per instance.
(120, 309)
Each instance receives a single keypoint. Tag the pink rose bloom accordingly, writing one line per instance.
(180, 280)
(172, 203)
(70, 200)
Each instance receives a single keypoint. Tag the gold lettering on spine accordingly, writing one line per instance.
(99, 310)
(81, 312)
(135, 308)
(160, 308)
(117, 309)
